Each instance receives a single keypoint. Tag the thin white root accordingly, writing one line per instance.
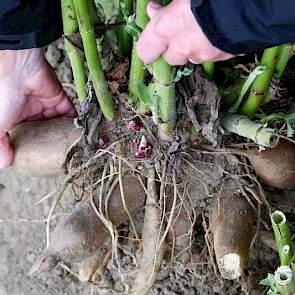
(153, 252)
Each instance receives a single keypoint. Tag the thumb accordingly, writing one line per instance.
(153, 8)
(6, 151)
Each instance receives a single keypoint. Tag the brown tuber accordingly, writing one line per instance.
(180, 237)
(276, 167)
(41, 146)
(232, 227)
(82, 233)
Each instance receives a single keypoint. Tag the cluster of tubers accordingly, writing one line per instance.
(40, 149)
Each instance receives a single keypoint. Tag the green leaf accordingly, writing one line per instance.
(253, 75)
(131, 27)
(182, 73)
(269, 281)
(289, 119)
(109, 9)
(144, 94)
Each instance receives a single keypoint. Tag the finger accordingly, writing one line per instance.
(6, 151)
(150, 45)
(195, 61)
(174, 58)
(153, 8)
(223, 56)
(42, 109)
(65, 106)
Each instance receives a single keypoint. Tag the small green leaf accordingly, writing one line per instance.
(182, 73)
(144, 94)
(269, 281)
(289, 119)
(253, 75)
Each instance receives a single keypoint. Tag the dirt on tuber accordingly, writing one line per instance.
(41, 146)
(82, 233)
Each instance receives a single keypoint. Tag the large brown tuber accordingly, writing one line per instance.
(41, 146)
(276, 167)
(82, 233)
(232, 227)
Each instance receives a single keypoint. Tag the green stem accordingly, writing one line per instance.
(124, 39)
(93, 60)
(286, 52)
(261, 84)
(165, 90)
(208, 67)
(283, 237)
(285, 282)
(70, 25)
(137, 71)
(243, 126)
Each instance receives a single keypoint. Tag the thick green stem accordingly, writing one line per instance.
(283, 237)
(208, 67)
(286, 52)
(285, 282)
(70, 25)
(243, 126)
(124, 39)
(137, 71)
(165, 90)
(93, 60)
(261, 84)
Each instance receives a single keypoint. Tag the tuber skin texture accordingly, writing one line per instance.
(179, 237)
(81, 234)
(232, 227)
(276, 167)
(41, 146)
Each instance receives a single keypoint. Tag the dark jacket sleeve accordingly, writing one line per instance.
(29, 23)
(243, 26)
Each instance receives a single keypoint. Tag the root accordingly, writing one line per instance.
(93, 267)
(153, 252)
(51, 211)
(102, 267)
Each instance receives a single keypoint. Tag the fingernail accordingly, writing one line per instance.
(154, 5)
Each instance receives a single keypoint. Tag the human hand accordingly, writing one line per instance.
(174, 33)
(29, 91)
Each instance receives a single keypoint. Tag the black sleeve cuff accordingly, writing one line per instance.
(29, 24)
(242, 26)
